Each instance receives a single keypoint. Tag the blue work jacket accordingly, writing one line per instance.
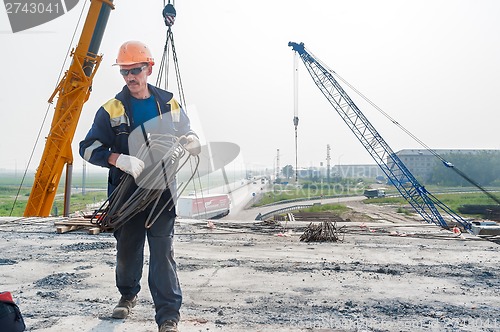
(112, 125)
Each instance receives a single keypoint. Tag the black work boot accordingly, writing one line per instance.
(168, 326)
(122, 309)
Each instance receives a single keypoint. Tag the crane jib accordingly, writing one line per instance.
(423, 202)
(73, 91)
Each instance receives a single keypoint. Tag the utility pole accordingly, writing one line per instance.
(328, 163)
(296, 108)
(277, 164)
(84, 174)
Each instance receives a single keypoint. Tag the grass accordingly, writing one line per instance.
(14, 204)
(9, 189)
(458, 199)
(452, 200)
(280, 192)
(78, 202)
(404, 211)
(13, 197)
(333, 208)
(451, 197)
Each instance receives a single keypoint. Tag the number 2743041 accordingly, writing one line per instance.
(32, 7)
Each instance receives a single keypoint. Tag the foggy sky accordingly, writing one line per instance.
(431, 65)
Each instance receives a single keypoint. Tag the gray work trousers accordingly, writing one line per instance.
(162, 279)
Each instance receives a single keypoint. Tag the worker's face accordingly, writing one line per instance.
(136, 78)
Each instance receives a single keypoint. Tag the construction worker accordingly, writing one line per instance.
(107, 145)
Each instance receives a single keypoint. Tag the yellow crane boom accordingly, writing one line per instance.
(74, 90)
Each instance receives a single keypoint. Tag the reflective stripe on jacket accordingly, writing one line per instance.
(112, 126)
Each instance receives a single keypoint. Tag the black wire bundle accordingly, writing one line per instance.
(163, 158)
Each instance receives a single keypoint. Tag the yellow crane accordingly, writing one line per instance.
(73, 90)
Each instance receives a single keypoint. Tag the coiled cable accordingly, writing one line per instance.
(164, 155)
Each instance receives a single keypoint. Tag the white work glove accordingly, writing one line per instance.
(193, 145)
(130, 165)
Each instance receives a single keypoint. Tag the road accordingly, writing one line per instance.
(242, 193)
(243, 197)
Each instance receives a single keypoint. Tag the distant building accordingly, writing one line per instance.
(343, 171)
(357, 171)
(421, 162)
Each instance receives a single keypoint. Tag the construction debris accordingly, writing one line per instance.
(73, 224)
(325, 231)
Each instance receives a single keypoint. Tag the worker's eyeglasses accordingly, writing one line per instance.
(133, 71)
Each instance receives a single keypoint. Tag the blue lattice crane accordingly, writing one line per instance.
(426, 204)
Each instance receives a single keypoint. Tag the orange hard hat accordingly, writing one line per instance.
(132, 52)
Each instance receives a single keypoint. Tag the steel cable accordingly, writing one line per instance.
(416, 139)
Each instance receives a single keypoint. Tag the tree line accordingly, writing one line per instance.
(483, 167)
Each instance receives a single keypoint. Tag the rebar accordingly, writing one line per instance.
(163, 156)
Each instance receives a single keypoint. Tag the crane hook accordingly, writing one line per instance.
(169, 14)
